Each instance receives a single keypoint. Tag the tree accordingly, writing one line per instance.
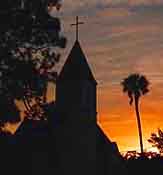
(156, 139)
(135, 86)
(29, 35)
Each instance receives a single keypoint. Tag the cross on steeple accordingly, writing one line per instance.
(77, 27)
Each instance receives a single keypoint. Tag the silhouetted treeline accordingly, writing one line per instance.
(29, 36)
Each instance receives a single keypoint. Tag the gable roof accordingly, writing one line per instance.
(103, 140)
(76, 66)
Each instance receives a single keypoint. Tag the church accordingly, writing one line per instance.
(70, 142)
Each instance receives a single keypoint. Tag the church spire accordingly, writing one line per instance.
(77, 27)
(76, 66)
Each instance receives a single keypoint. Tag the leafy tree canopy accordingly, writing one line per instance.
(28, 38)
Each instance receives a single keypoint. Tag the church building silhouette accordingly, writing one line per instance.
(69, 142)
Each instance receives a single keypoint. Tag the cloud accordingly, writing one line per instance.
(145, 2)
(79, 5)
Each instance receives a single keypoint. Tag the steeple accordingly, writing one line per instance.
(76, 89)
(76, 66)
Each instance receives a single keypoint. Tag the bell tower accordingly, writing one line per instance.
(76, 114)
(76, 89)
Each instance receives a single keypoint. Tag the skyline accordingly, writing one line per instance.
(124, 39)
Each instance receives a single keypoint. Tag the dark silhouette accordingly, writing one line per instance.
(9, 113)
(149, 163)
(58, 138)
(135, 86)
(28, 36)
(70, 140)
(76, 108)
(132, 155)
(156, 139)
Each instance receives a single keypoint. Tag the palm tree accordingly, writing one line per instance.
(135, 86)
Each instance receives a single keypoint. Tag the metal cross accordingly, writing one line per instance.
(77, 27)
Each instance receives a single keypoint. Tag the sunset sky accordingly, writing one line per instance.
(120, 37)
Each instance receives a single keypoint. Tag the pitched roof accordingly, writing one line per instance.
(104, 143)
(76, 66)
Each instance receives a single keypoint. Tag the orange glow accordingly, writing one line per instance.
(118, 120)
(153, 150)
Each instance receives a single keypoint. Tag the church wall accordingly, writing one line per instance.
(68, 95)
(76, 145)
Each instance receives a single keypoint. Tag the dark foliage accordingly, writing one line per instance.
(135, 85)
(28, 38)
(145, 165)
(134, 155)
(156, 139)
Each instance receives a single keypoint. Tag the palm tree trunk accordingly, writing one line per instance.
(139, 123)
